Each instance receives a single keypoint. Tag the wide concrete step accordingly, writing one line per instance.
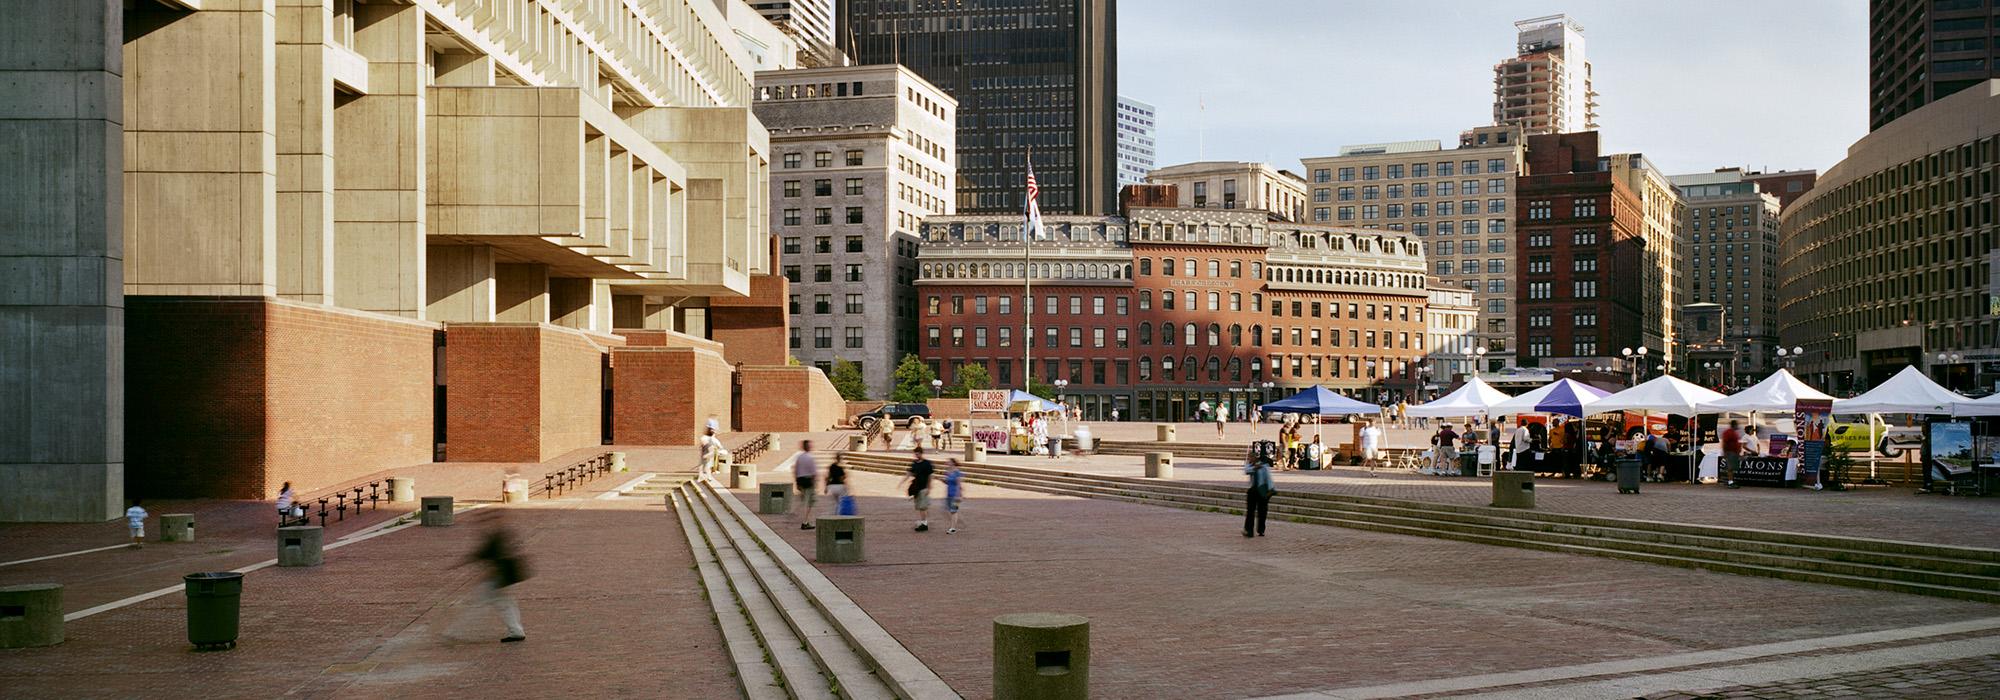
(823, 665)
(756, 670)
(1950, 577)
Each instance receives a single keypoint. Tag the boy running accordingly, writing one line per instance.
(135, 519)
(954, 494)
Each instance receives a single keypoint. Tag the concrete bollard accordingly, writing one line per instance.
(1163, 432)
(402, 489)
(857, 443)
(1512, 489)
(300, 545)
(1159, 465)
(1045, 656)
(839, 539)
(618, 463)
(435, 511)
(743, 477)
(177, 527)
(774, 499)
(975, 452)
(31, 615)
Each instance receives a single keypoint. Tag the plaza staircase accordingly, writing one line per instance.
(1925, 569)
(1181, 450)
(790, 631)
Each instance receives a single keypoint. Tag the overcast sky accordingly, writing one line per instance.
(1693, 84)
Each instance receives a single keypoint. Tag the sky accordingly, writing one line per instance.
(1693, 84)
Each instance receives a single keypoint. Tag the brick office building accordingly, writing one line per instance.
(1156, 311)
(1581, 244)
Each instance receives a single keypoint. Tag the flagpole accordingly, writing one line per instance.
(1027, 293)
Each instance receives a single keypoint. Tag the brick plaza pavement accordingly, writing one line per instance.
(1182, 606)
(1963, 678)
(1897, 513)
(613, 608)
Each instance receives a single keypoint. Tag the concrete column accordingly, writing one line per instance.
(304, 111)
(1041, 655)
(463, 69)
(379, 246)
(62, 313)
(301, 545)
(570, 302)
(459, 283)
(521, 293)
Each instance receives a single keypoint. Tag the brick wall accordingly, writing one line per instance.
(521, 392)
(753, 330)
(951, 408)
(780, 398)
(230, 397)
(651, 392)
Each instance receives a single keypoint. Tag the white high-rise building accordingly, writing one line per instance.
(809, 22)
(1135, 141)
(1545, 88)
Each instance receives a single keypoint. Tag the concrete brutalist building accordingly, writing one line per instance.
(864, 154)
(254, 242)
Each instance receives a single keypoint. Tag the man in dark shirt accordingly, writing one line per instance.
(919, 479)
(1732, 452)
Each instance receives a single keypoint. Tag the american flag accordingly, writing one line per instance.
(1034, 208)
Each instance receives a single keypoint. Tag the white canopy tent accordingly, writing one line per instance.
(1907, 392)
(1665, 394)
(1779, 392)
(1989, 406)
(1474, 398)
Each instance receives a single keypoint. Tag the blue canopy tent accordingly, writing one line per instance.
(1319, 401)
(1019, 401)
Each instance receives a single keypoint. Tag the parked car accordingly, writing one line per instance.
(1890, 440)
(895, 413)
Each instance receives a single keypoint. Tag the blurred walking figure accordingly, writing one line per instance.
(711, 450)
(504, 568)
(285, 498)
(805, 477)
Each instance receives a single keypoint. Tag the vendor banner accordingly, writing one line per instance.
(988, 400)
(1810, 417)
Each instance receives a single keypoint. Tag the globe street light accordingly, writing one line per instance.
(937, 387)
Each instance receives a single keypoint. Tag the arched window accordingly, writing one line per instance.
(1236, 369)
(1167, 333)
(1257, 270)
(1236, 335)
(1127, 274)
(1214, 301)
(1214, 334)
(1188, 267)
(1167, 299)
(1167, 266)
(1257, 303)
(1214, 369)
(1235, 268)
(1145, 300)
(1188, 297)
(1145, 369)
(1257, 335)
(1192, 368)
(1188, 335)
(927, 269)
(1145, 333)
(1214, 268)
(1146, 266)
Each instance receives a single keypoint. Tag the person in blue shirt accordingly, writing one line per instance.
(1257, 502)
(954, 494)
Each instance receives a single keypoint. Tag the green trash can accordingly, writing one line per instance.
(1468, 463)
(214, 601)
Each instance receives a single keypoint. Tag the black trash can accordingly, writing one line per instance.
(214, 604)
(1629, 469)
(1468, 463)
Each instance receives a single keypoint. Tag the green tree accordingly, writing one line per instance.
(848, 381)
(969, 377)
(913, 381)
(1041, 388)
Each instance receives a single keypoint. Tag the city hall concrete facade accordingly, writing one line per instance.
(309, 240)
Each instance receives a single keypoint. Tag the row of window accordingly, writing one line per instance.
(822, 244)
(1580, 346)
(1543, 318)
(1416, 190)
(1544, 239)
(1171, 334)
(821, 159)
(824, 273)
(823, 216)
(1493, 245)
(1583, 262)
(1193, 369)
(823, 304)
(823, 337)
(1396, 171)
(1580, 207)
(1579, 289)
(1373, 212)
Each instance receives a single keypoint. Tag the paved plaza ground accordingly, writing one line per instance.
(1181, 605)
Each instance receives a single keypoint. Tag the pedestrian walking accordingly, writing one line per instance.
(1114, 415)
(1256, 416)
(1201, 411)
(1446, 450)
(954, 494)
(836, 485)
(805, 479)
(711, 450)
(504, 568)
(1371, 445)
(1221, 419)
(1257, 498)
(1518, 452)
(1732, 452)
(285, 498)
(135, 520)
(918, 479)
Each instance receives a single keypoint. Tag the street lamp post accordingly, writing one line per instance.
(1478, 359)
(937, 387)
(1945, 360)
(1633, 360)
(1791, 357)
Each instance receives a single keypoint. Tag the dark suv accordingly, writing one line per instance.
(895, 412)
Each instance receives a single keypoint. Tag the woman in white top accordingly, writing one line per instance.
(285, 498)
